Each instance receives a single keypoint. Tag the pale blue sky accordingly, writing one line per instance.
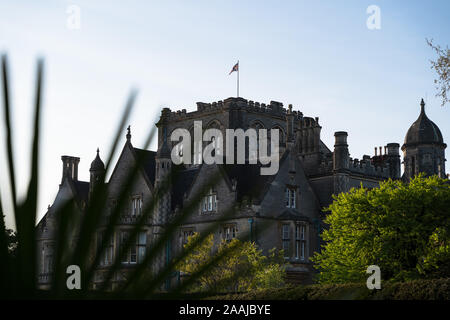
(317, 55)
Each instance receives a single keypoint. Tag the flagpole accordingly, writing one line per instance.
(238, 80)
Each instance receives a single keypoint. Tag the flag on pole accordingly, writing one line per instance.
(235, 68)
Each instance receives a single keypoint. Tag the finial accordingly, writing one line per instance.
(422, 106)
(290, 108)
(98, 150)
(129, 133)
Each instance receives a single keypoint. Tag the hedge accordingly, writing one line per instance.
(434, 289)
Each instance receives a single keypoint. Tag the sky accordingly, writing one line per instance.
(319, 56)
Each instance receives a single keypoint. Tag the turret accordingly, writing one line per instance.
(424, 148)
(163, 164)
(97, 174)
(163, 157)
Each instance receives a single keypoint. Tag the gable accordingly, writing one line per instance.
(273, 203)
(222, 187)
(126, 162)
(68, 190)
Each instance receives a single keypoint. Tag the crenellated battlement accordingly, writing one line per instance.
(368, 167)
(273, 108)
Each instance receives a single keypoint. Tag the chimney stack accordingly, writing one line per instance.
(340, 154)
(70, 168)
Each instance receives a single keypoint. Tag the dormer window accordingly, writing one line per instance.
(290, 197)
(209, 203)
(136, 206)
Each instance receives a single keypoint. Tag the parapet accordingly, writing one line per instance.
(274, 108)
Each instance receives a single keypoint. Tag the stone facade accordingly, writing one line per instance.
(282, 211)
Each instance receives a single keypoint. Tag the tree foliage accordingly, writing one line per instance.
(242, 266)
(401, 227)
(441, 66)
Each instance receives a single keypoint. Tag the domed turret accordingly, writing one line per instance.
(423, 130)
(424, 148)
(97, 164)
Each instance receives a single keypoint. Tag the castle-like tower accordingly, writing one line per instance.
(424, 148)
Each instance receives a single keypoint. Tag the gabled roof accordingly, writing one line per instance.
(81, 189)
(181, 184)
(250, 182)
(149, 163)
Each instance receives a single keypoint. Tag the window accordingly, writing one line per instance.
(253, 149)
(198, 152)
(217, 145)
(185, 234)
(229, 232)
(300, 241)
(48, 257)
(427, 159)
(136, 251)
(136, 206)
(48, 263)
(209, 203)
(290, 198)
(107, 257)
(286, 240)
(141, 245)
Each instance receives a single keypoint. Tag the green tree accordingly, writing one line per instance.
(401, 227)
(441, 66)
(241, 266)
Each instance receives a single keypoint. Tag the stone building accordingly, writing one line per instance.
(282, 210)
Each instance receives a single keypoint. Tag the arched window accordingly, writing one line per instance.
(196, 149)
(282, 138)
(218, 143)
(253, 153)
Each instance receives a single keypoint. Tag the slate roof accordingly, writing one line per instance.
(149, 163)
(81, 190)
(250, 182)
(181, 184)
(97, 164)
